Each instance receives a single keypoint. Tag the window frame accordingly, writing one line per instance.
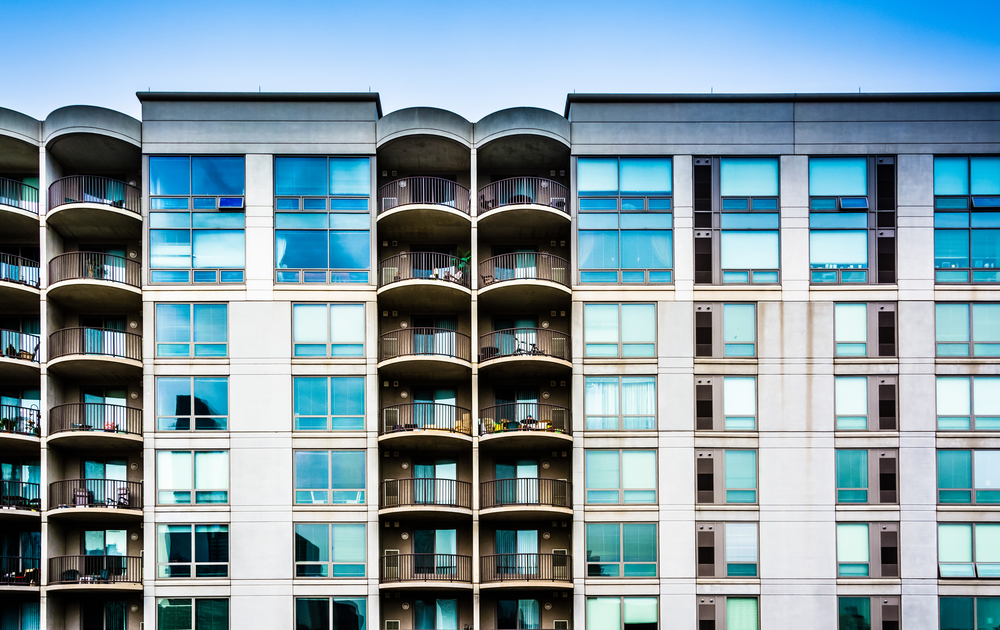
(875, 346)
(330, 491)
(714, 315)
(970, 342)
(330, 416)
(877, 403)
(715, 533)
(976, 573)
(194, 490)
(192, 418)
(881, 609)
(711, 391)
(973, 490)
(329, 344)
(876, 474)
(716, 465)
(970, 380)
(620, 418)
(330, 565)
(330, 601)
(191, 330)
(714, 608)
(970, 204)
(620, 489)
(621, 564)
(163, 565)
(621, 610)
(194, 611)
(621, 343)
(878, 533)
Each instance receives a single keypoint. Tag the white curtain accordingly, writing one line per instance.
(447, 614)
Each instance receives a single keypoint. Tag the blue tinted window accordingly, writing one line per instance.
(349, 250)
(598, 249)
(749, 177)
(646, 176)
(169, 248)
(647, 249)
(597, 176)
(951, 176)
(300, 249)
(217, 249)
(301, 221)
(348, 469)
(169, 220)
(985, 176)
(312, 469)
(218, 220)
(838, 177)
(217, 175)
(210, 323)
(347, 396)
(211, 396)
(299, 176)
(311, 396)
(349, 222)
(173, 322)
(169, 175)
(350, 176)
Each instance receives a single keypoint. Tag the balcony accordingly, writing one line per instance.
(525, 425)
(535, 280)
(20, 571)
(19, 209)
(96, 572)
(426, 497)
(523, 205)
(421, 352)
(95, 499)
(516, 499)
(425, 569)
(20, 428)
(19, 281)
(96, 426)
(19, 499)
(19, 361)
(424, 198)
(88, 281)
(427, 426)
(525, 352)
(88, 206)
(95, 353)
(526, 570)
(425, 280)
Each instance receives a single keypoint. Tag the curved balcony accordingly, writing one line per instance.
(520, 570)
(86, 281)
(19, 499)
(420, 569)
(95, 425)
(88, 206)
(410, 193)
(425, 497)
(515, 499)
(19, 208)
(414, 352)
(95, 499)
(20, 428)
(525, 425)
(425, 280)
(536, 280)
(19, 361)
(19, 281)
(527, 352)
(96, 572)
(518, 205)
(20, 571)
(95, 353)
(426, 425)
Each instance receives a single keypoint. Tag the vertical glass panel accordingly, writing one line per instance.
(211, 469)
(739, 402)
(951, 176)
(851, 402)
(601, 330)
(169, 175)
(217, 175)
(309, 323)
(646, 176)
(740, 472)
(986, 329)
(749, 250)
(312, 469)
(173, 323)
(957, 613)
(838, 249)
(601, 402)
(738, 329)
(954, 470)
(299, 176)
(312, 613)
(987, 395)
(640, 613)
(311, 396)
(602, 472)
(851, 323)
(597, 176)
(953, 396)
(646, 249)
(169, 248)
(749, 177)
(599, 249)
(347, 329)
(987, 544)
(174, 614)
(219, 249)
(173, 396)
(838, 177)
(210, 323)
(211, 614)
(350, 176)
(855, 613)
(639, 541)
(638, 402)
(741, 613)
(987, 613)
(986, 178)
(852, 476)
(604, 613)
(852, 545)
(987, 472)
(954, 542)
(603, 547)
(741, 542)
(638, 469)
(350, 250)
(348, 469)
(639, 327)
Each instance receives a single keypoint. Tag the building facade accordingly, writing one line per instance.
(664, 361)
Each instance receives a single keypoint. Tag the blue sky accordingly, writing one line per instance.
(477, 57)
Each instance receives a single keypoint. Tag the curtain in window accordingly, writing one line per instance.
(638, 402)
(741, 542)
(603, 543)
(446, 546)
(528, 614)
(604, 613)
(954, 469)
(852, 472)
(425, 614)
(646, 248)
(855, 613)
(598, 248)
(639, 474)
(601, 402)
(115, 617)
(173, 470)
(30, 616)
(446, 617)
(739, 402)
(987, 390)
(348, 549)
(639, 543)
(602, 472)
(749, 250)
(741, 613)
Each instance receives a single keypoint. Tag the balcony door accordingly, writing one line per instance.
(104, 335)
(517, 482)
(518, 336)
(104, 542)
(515, 264)
(110, 471)
(108, 267)
(434, 408)
(518, 405)
(435, 482)
(436, 614)
(105, 408)
(439, 340)
(518, 614)
(436, 549)
(433, 261)
(519, 551)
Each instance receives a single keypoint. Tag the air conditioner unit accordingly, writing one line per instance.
(392, 624)
(559, 420)
(389, 203)
(558, 202)
(559, 347)
(390, 564)
(389, 274)
(560, 564)
(561, 624)
(390, 490)
(390, 419)
(559, 275)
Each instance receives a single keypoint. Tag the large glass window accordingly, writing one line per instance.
(740, 476)
(328, 330)
(192, 477)
(330, 550)
(622, 613)
(329, 404)
(621, 549)
(330, 477)
(969, 550)
(322, 220)
(739, 324)
(852, 550)
(621, 477)
(968, 476)
(969, 613)
(966, 219)
(619, 330)
(184, 403)
(326, 613)
(625, 220)
(185, 551)
(192, 614)
(196, 219)
(968, 403)
(626, 403)
(964, 330)
(179, 326)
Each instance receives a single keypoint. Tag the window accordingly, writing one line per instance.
(725, 330)
(729, 612)
(953, 323)
(855, 324)
(860, 613)
(175, 334)
(330, 477)
(969, 613)
(626, 403)
(865, 403)
(328, 330)
(737, 549)
(434, 614)
(968, 476)
(725, 403)
(969, 550)
(192, 614)
(185, 551)
(619, 330)
(330, 613)
(181, 474)
(322, 222)
(518, 614)
(621, 549)
(726, 476)
(200, 403)
(329, 404)
(866, 476)
(966, 219)
(625, 220)
(27, 613)
(617, 477)
(967, 403)
(852, 220)
(625, 613)
(196, 219)
(736, 220)
(868, 550)
(98, 615)
(330, 550)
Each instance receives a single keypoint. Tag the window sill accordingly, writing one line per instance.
(964, 361)
(986, 508)
(726, 434)
(769, 288)
(968, 286)
(868, 507)
(866, 360)
(725, 507)
(863, 581)
(725, 360)
(850, 286)
(618, 507)
(850, 435)
(965, 435)
(728, 580)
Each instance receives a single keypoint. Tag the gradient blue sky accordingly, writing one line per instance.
(477, 57)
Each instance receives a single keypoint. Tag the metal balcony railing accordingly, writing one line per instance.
(524, 342)
(20, 420)
(525, 491)
(95, 266)
(424, 191)
(429, 266)
(524, 416)
(94, 189)
(18, 195)
(95, 570)
(425, 567)
(21, 495)
(95, 417)
(95, 493)
(424, 341)
(519, 567)
(95, 341)
(19, 270)
(19, 345)
(524, 190)
(19, 570)
(524, 266)
(423, 416)
(425, 492)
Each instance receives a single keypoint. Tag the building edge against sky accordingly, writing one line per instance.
(715, 361)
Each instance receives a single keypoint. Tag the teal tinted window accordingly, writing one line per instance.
(954, 476)
(350, 176)
(597, 176)
(852, 476)
(951, 176)
(300, 176)
(739, 329)
(177, 325)
(169, 175)
(838, 177)
(646, 176)
(749, 177)
(218, 175)
(741, 476)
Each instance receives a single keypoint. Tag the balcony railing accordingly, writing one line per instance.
(95, 493)
(524, 416)
(518, 567)
(433, 191)
(95, 570)
(19, 195)
(524, 266)
(425, 416)
(95, 266)
(425, 491)
(19, 570)
(21, 495)
(18, 269)
(424, 341)
(95, 417)
(423, 266)
(525, 491)
(95, 341)
(524, 342)
(524, 190)
(19, 345)
(20, 420)
(425, 567)
(95, 189)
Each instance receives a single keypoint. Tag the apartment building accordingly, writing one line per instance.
(663, 361)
